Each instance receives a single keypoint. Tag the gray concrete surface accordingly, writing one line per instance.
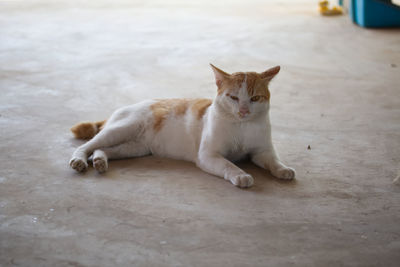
(70, 61)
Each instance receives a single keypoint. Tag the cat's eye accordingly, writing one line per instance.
(234, 97)
(255, 98)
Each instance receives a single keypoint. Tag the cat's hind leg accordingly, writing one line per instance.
(78, 163)
(108, 137)
(79, 158)
(100, 161)
(124, 150)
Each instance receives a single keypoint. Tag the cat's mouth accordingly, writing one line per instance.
(243, 115)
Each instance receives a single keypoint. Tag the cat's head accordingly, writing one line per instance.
(243, 95)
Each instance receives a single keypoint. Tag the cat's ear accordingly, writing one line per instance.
(269, 74)
(220, 75)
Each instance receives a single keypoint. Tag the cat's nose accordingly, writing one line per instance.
(243, 111)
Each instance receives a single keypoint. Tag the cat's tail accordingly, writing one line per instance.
(86, 130)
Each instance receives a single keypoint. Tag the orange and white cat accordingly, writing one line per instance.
(212, 134)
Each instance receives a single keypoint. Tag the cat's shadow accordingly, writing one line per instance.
(177, 171)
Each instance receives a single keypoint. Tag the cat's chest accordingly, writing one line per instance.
(236, 151)
(241, 143)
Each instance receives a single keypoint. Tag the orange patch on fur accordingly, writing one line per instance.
(163, 108)
(86, 130)
(200, 106)
(178, 107)
(255, 85)
(230, 83)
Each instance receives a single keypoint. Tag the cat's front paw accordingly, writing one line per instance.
(242, 180)
(286, 173)
(78, 164)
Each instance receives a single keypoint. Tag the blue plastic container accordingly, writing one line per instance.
(375, 13)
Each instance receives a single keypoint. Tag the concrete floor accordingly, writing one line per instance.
(338, 92)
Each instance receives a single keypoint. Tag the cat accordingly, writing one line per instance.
(212, 134)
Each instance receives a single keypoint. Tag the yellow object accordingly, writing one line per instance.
(326, 11)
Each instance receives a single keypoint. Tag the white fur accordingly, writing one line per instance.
(222, 136)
